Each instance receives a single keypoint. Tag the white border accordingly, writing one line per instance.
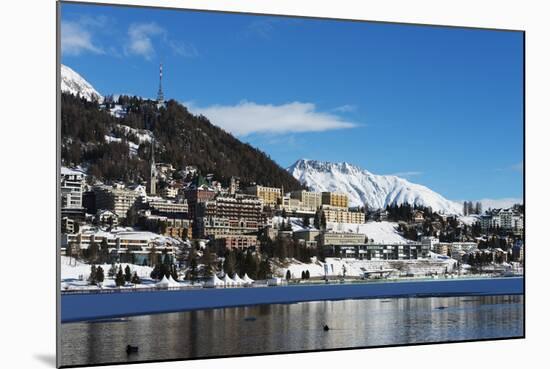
(29, 180)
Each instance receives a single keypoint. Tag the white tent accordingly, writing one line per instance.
(163, 283)
(247, 279)
(173, 283)
(238, 280)
(228, 281)
(214, 282)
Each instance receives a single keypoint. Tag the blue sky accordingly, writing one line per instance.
(439, 106)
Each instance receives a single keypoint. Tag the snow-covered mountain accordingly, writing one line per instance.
(363, 187)
(73, 83)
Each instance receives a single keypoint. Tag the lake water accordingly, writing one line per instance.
(292, 327)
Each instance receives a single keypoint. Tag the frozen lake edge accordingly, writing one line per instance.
(90, 306)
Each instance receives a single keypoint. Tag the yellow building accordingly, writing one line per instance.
(335, 199)
(268, 195)
(311, 200)
(335, 214)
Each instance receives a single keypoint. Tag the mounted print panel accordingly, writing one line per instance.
(239, 184)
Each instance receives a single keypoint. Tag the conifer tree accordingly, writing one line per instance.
(119, 280)
(164, 271)
(135, 279)
(127, 274)
(229, 263)
(155, 272)
(100, 275)
(93, 275)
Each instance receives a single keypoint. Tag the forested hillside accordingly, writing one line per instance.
(115, 149)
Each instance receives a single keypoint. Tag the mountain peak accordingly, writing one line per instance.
(75, 84)
(365, 188)
(325, 167)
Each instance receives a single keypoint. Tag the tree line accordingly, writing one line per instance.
(181, 139)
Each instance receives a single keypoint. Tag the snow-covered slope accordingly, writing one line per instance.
(363, 187)
(73, 83)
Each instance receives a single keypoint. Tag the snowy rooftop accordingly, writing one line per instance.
(127, 234)
(71, 171)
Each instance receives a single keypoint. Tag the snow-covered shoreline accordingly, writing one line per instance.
(89, 306)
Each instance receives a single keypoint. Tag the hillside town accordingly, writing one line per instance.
(182, 224)
(199, 227)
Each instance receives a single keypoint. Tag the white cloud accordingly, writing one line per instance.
(76, 39)
(249, 117)
(345, 108)
(140, 39)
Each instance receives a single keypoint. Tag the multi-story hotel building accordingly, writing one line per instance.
(268, 195)
(72, 209)
(335, 214)
(239, 206)
(334, 199)
(291, 205)
(214, 227)
(162, 206)
(311, 200)
(116, 198)
(507, 219)
(72, 186)
(196, 196)
(166, 225)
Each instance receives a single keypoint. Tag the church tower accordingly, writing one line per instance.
(153, 179)
(160, 94)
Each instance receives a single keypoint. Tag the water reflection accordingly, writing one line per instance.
(293, 327)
